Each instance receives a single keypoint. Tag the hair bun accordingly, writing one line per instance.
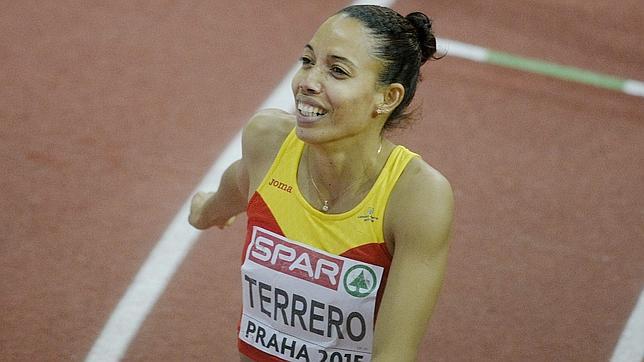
(426, 39)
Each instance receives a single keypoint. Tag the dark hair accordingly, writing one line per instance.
(403, 44)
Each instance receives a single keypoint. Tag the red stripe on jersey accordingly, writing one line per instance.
(259, 214)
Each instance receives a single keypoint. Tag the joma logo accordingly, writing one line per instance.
(280, 185)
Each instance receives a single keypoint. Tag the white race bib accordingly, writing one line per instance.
(304, 304)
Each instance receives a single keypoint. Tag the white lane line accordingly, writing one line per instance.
(475, 53)
(156, 272)
(169, 252)
(630, 347)
(171, 249)
(633, 87)
(461, 50)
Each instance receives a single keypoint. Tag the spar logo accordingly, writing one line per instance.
(360, 280)
(280, 254)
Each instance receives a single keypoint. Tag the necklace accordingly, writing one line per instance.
(325, 202)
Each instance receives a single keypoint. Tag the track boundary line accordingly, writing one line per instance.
(532, 65)
(630, 347)
(168, 253)
(153, 277)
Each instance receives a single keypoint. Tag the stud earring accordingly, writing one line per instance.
(380, 110)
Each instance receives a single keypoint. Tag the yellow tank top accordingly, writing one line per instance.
(297, 257)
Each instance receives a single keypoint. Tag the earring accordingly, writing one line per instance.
(380, 110)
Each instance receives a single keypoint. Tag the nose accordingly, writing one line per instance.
(309, 82)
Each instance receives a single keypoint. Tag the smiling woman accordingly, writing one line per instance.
(343, 225)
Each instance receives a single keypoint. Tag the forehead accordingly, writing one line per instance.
(344, 36)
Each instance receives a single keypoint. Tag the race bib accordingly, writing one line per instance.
(303, 304)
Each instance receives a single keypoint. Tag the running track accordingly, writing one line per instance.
(111, 115)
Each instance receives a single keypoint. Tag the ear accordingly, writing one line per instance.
(392, 95)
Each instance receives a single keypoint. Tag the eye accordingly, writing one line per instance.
(338, 71)
(305, 60)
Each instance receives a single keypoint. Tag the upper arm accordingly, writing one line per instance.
(419, 218)
(261, 140)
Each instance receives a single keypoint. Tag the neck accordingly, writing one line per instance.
(345, 157)
(340, 173)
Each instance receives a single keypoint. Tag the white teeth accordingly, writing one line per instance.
(309, 111)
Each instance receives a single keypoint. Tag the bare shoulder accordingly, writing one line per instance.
(420, 177)
(421, 205)
(275, 121)
(265, 132)
(262, 138)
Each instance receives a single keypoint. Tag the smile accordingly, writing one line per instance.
(307, 110)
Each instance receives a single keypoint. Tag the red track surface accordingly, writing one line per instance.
(111, 114)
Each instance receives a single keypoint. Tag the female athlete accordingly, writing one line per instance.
(347, 233)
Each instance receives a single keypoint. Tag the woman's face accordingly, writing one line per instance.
(336, 90)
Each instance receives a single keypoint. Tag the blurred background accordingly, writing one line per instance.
(111, 114)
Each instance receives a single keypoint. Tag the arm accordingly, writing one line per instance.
(219, 208)
(419, 218)
(261, 140)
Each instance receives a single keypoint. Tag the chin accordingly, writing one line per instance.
(311, 135)
(305, 134)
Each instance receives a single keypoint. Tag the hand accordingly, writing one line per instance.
(203, 209)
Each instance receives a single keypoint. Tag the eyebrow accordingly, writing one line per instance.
(336, 57)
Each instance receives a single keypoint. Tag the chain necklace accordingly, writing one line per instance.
(325, 202)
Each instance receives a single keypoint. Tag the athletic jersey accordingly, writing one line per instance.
(312, 281)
